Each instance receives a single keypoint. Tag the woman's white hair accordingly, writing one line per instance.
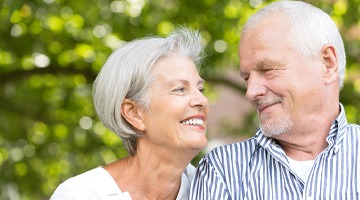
(310, 29)
(127, 74)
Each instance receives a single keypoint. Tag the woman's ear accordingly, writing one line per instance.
(330, 71)
(132, 113)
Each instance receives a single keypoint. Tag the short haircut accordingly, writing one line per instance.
(127, 74)
(310, 29)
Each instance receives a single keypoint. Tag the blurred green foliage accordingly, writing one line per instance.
(51, 51)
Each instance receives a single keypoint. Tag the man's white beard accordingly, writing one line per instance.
(272, 127)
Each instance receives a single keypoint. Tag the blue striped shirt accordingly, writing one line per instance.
(258, 169)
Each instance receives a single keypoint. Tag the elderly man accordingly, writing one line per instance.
(293, 61)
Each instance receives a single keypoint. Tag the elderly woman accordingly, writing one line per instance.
(150, 94)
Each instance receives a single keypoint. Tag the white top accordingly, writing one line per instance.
(301, 168)
(98, 184)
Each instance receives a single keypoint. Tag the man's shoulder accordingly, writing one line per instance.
(354, 130)
(239, 150)
(245, 145)
(355, 127)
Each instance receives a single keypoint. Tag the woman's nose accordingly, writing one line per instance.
(198, 99)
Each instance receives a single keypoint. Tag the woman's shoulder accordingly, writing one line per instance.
(89, 178)
(91, 184)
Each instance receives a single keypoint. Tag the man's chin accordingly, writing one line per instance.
(268, 132)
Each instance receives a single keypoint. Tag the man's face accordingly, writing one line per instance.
(282, 84)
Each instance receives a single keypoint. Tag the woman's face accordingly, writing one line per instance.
(178, 109)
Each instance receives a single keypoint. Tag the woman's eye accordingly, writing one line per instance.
(180, 89)
(202, 90)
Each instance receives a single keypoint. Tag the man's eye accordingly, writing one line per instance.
(268, 70)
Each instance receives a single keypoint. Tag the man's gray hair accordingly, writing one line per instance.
(310, 29)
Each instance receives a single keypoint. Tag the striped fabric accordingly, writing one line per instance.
(258, 169)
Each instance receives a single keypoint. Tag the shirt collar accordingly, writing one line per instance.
(186, 179)
(337, 130)
(335, 137)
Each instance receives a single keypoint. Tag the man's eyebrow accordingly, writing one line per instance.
(267, 62)
(262, 64)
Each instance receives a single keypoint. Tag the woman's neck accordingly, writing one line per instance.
(149, 176)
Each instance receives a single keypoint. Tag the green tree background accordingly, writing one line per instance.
(51, 51)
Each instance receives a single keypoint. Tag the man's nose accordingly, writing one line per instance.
(255, 87)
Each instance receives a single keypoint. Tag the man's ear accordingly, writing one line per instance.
(330, 71)
(132, 113)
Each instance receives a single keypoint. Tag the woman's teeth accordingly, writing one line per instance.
(193, 122)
